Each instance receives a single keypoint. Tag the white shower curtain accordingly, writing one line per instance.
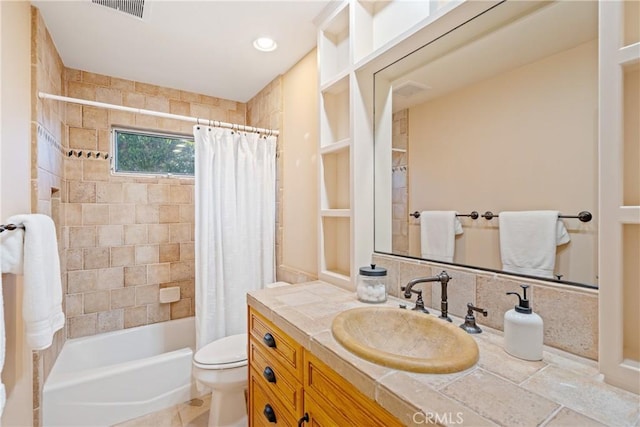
(235, 226)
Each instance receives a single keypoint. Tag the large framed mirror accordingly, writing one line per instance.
(497, 115)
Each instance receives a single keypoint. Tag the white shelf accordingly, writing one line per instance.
(335, 180)
(335, 246)
(341, 279)
(378, 23)
(345, 213)
(336, 147)
(337, 84)
(334, 44)
(334, 113)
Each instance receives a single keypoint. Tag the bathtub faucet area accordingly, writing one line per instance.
(443, 278)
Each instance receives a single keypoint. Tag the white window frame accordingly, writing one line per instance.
(146, 132)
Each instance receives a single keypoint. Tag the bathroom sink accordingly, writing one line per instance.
(404, 339)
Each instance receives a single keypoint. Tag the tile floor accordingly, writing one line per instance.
(194, 413)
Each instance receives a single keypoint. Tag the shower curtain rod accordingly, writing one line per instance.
(44, 95)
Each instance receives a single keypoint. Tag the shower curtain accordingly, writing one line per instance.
(235, 207)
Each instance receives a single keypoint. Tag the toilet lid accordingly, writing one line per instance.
(227, 352)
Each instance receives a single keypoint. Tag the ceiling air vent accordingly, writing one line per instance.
(409, 88)
(130, 7)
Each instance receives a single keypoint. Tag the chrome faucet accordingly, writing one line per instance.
(443, 278)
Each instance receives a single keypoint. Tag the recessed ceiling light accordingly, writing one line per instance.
(265, 44)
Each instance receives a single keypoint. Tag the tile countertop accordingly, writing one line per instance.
(560, 390)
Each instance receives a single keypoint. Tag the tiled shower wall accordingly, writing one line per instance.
(128, 236)
(47, 171)
(400, 220)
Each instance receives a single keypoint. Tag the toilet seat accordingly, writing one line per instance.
(225, 353)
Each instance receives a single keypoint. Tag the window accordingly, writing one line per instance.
(144, 152)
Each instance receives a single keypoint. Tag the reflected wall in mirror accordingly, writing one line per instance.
(498, 115)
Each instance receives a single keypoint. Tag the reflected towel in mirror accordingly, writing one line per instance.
(528, 241)
(438, 230)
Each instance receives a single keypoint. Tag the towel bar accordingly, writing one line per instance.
(583, 216)
(10, 227)
(473, 214)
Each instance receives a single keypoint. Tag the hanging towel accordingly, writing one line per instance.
(528, 241)
(12, 251)
(38, 260)
(438, 231)
(3, 395)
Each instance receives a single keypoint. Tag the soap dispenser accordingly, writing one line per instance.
(523, 329)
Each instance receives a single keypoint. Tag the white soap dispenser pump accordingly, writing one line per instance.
(523, 329)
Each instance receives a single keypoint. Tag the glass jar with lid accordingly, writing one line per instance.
(372, 284)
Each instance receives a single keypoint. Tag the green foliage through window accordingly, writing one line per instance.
(149, 153)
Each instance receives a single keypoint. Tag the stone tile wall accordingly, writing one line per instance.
(47, 172)
(400, 211)
(128, 236)
(570, 314)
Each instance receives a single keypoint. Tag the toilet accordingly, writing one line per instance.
(222, 366)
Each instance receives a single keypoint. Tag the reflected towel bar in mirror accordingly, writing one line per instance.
(472, 215)
(583, 216)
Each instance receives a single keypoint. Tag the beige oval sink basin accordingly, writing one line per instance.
(405, 340)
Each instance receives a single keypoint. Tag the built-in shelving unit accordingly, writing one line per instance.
(378, 22)
(360, 37)
(333, 42)
(619, 224)
(352, 31)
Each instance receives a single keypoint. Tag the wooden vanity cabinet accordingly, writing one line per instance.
(286, 383)
(275, 374)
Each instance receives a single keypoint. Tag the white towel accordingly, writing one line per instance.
(438, 231)
(528, 241)
(42, 298)
(3, 395)
(12, 251)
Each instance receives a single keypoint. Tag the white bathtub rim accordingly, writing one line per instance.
(106, 342)
(138, 402)
(57, 380)
(74, 342)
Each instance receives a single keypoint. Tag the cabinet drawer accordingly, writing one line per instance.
(266, 410)
(276, 378)
(276, 343)
(340, 399)
(318, 413)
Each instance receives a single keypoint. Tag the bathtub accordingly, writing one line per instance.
(112, 377)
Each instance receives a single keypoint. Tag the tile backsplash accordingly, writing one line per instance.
(570, 314)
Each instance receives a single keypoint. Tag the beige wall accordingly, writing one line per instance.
(300, 174)
(289, 103)
(15, 154)
(523, 140)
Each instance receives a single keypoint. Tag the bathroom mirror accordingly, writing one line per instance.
(499, 114)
